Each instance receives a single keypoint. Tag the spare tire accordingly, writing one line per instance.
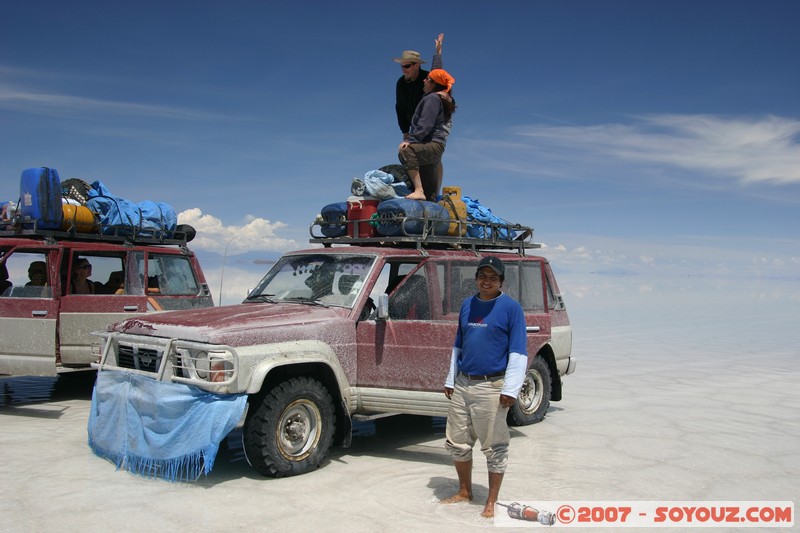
(75, 189)
(185, 231)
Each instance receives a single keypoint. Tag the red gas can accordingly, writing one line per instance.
(359, 216)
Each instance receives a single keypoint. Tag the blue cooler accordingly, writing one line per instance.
(401, 216)
(40, 198)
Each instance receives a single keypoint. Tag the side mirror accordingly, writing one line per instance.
(382, 312)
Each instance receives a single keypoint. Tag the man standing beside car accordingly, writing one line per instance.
(487, 370)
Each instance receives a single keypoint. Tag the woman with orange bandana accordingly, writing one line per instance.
(427, 137)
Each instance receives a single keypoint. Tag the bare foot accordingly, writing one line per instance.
(416, 196)
(458, 498)
(488, 511)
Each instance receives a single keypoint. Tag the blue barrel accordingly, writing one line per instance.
(401, 216)
(335, 219)
(40, 198)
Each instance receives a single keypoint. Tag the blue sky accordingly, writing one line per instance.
(636, 137)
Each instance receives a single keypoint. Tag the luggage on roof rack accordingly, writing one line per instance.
(40, 198)
(401, 216)
(46, 209)
(494, 235)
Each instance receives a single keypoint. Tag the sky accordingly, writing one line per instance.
(641, 139)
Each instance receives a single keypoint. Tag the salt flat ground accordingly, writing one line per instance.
(678, 395)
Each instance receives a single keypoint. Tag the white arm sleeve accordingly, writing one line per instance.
(450, 382)
(515, 374)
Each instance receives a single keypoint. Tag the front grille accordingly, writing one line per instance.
(137, 358)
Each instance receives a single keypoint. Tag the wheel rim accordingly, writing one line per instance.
(530, 397)
(299, 429)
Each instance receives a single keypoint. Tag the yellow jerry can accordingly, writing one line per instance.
(451, 200)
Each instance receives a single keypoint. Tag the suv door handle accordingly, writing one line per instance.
(130, 308)
(532, 329)
(38, 313)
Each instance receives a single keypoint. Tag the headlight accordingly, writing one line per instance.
(200, 363)
(193, 361)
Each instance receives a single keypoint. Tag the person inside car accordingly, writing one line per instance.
(115, 283)
(81, 284)
(5, 284)
(37, 274)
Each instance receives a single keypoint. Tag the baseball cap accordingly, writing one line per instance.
(494, 263)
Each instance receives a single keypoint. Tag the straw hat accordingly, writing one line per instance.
(409, 56)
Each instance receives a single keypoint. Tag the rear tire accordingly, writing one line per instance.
(534, 398)
(292, 429)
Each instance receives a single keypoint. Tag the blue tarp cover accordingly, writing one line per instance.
(480, 213)
(159, 429)
(115, 213)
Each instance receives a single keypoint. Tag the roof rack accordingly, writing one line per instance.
(492, 235)
(115, 234)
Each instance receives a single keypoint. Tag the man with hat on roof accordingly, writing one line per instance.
(409, 93)
(409, 85)
(487, 370)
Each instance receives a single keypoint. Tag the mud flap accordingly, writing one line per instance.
(346, 426)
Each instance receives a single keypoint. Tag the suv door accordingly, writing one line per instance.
(29, 311)
(117, 295)
(411, 349)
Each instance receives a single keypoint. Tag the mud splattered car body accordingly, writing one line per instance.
(340, 332)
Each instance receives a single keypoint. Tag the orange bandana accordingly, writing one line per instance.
(441, 77)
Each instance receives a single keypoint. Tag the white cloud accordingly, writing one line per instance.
(695, 257)
(748, 150)
(54, 104)
(256, 234)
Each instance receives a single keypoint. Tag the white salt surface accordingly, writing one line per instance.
(678, 395)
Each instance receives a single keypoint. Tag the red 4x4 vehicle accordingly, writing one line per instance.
(45, 326)
(339, 332)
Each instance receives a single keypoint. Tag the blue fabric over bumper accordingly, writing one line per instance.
(159, 429)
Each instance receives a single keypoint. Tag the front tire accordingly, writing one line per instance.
(292, 430)
(534, 398)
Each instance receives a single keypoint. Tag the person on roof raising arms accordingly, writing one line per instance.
(428, 131)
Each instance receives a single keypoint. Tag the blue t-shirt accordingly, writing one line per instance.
(488, 330)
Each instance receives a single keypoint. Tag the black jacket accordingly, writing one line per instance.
(410, 94)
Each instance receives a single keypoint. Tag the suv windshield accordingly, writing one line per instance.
(326, 279)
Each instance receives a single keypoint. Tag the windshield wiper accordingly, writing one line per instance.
(306, 300)
(261, 298)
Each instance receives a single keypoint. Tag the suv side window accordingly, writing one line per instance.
(170, 275)
(462, 284)
(552, 301)
(411, 301)
(27, 275)
(523, 282)
(107, 273)
(512, 281)
(532, 296)
(390, 277)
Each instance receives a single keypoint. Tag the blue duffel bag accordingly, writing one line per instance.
(402, 216)
(119, 216)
